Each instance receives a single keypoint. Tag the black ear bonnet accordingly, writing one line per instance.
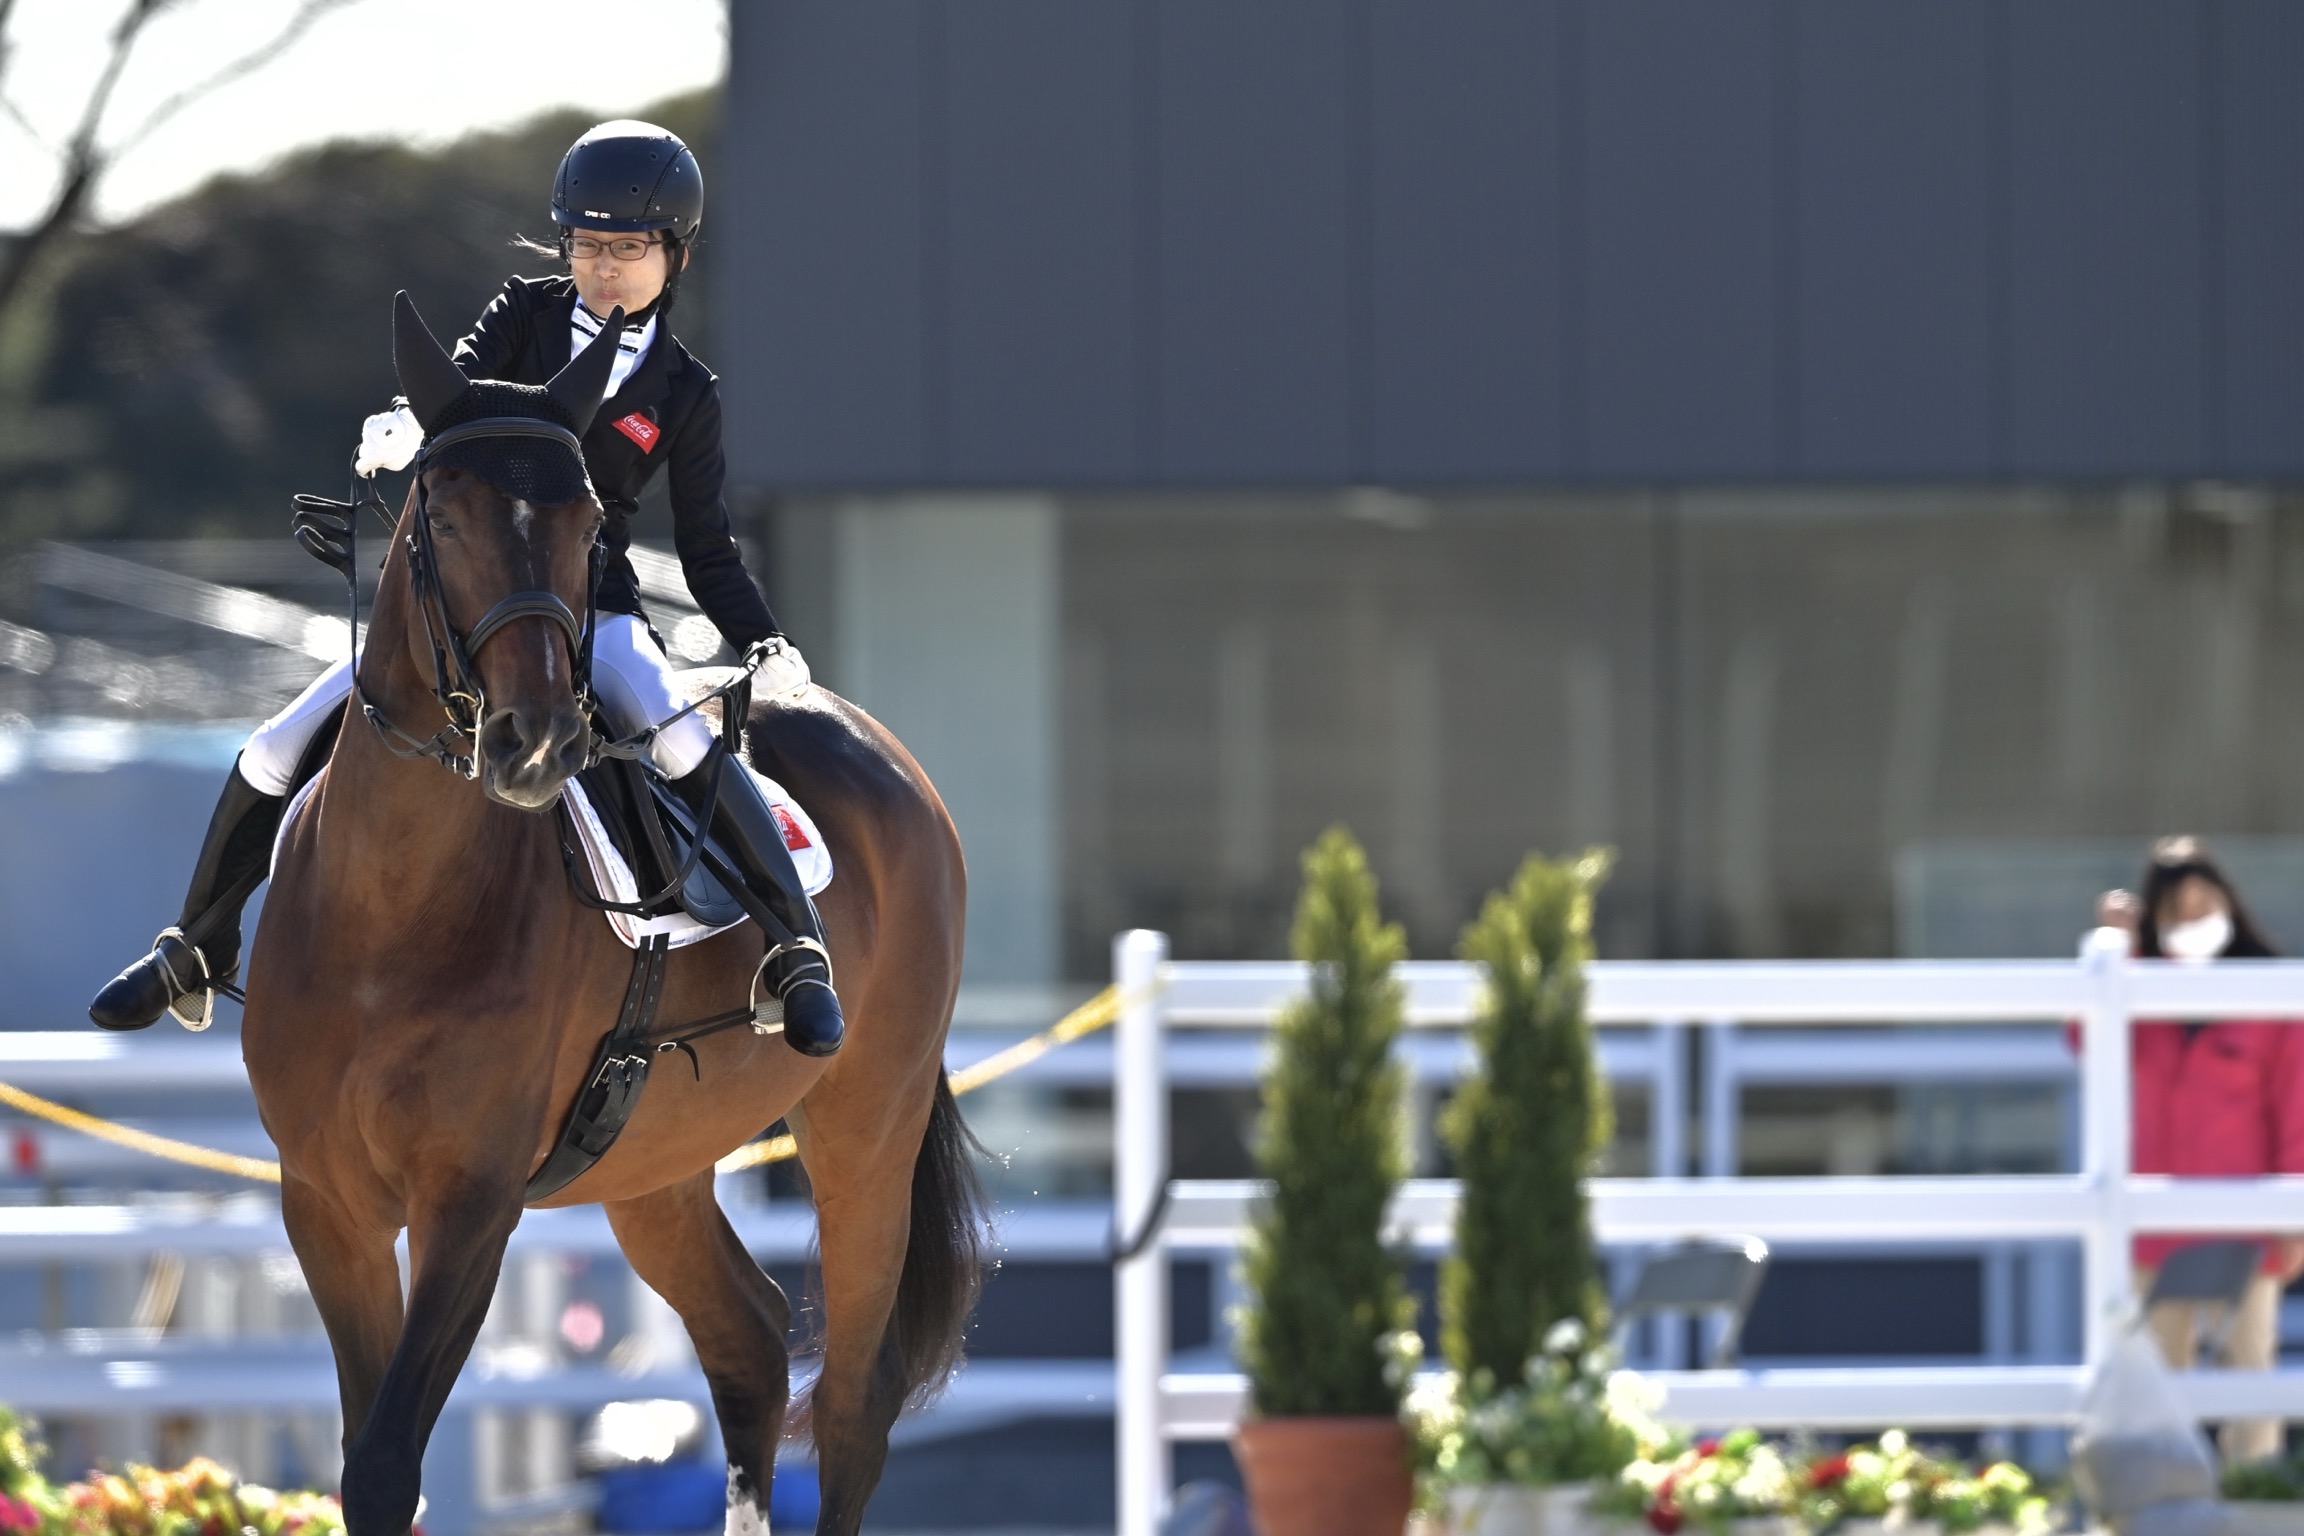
(545, 470)
(531, 469)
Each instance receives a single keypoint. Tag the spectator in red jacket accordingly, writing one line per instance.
(2217, 1099)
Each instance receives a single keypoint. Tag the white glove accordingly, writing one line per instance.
(778, 668)
(388, 440)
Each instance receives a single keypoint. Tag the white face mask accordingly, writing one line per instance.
(2203, 938)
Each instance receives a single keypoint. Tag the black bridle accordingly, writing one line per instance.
(328, 531)
(455, 679)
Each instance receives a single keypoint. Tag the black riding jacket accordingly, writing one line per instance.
(522, 337)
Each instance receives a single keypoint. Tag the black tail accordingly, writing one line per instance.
(944, 1261)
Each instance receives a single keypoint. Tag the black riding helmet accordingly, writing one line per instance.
(632, 176)
(629, 175)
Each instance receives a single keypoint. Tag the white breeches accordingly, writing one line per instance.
(631, 676)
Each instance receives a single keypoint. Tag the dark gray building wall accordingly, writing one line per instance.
(1313, 242)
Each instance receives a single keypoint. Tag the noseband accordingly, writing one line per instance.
(455, 680)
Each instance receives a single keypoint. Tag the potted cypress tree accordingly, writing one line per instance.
(1323, 1451)
(1520, 1303)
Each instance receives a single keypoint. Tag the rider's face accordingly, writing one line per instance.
(603, 282)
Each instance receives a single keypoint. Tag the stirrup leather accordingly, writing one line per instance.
(203, 990)
(768, 1012)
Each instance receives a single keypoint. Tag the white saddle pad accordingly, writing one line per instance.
(612, 877)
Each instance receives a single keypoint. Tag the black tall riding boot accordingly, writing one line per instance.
(204, 947)
(798, 968)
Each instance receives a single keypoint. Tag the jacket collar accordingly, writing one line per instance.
(648, 383)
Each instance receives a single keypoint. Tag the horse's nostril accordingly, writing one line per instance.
(524, 746)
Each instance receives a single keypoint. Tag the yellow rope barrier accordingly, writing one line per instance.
(259, 1168)
(1086, 1019)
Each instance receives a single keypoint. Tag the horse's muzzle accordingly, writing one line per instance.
(527, 755)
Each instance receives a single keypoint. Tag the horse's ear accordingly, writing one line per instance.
(428, 377)
(583, 384)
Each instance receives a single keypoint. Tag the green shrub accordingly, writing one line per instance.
(1526, 1129)
(1325, 1293)
(2266, 1481)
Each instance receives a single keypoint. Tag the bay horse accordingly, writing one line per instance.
(425, 995)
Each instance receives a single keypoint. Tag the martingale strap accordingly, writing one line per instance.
(619, 1072)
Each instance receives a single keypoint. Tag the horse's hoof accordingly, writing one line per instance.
(813, 1025)
(378, 1491)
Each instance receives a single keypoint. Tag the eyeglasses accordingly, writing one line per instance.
(585, 248)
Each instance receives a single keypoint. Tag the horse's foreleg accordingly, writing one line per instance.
(679, 1241)
(456, 1237)
(355, 1281)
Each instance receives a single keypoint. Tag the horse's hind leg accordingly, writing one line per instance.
(456, 1238)
(679, 1241)
(864, 1217)
(898, 1219)
(355, 1281)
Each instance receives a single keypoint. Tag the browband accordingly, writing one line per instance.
(501, 426)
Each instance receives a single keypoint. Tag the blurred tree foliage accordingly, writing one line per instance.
(184, 373)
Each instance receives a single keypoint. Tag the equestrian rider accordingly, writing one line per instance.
(628, 201)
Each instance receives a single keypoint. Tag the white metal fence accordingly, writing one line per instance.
(1199, 1025)
(2102, 1205)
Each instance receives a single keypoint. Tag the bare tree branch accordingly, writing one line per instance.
(82, 158)
(82, 161)
(247, 64)
(85, 158)
(6, 6)
(16, 115)
(7, 103)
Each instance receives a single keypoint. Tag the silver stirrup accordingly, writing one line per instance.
(205, 992)
(768, 1012)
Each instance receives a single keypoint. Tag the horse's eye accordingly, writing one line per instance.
(440, 524)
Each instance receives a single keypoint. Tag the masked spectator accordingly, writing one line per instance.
(2216, 1099)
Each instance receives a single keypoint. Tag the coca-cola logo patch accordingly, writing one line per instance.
(640, 429)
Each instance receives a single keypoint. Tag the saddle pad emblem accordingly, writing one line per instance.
(640, 429)
(795, 835)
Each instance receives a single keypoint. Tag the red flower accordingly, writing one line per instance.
(1707, 1447)
(1826, 1473)
(1664, 1518)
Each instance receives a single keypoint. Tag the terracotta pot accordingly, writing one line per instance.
(1325, 1477)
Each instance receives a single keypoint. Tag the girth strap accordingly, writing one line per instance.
(619, 1072)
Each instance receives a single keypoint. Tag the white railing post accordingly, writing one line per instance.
(2106, 1125)
(1668, 1101)
(1140, 1280)
(1723, 1100)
